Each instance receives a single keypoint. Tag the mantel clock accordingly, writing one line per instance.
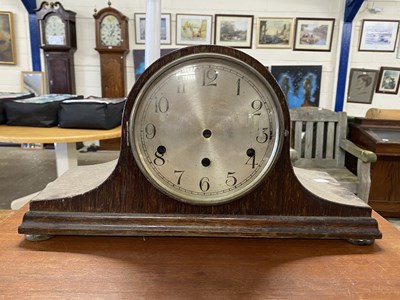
(205, 152)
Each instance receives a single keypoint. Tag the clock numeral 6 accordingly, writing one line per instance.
(204, 184)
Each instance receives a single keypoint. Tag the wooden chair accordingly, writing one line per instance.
(319, 138)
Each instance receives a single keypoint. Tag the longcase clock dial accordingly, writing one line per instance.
(110, 31)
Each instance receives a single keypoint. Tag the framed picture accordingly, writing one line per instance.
(140, 29)
(32, 82)
(388, 81)
(274, 33)
(313, 34)
(234, 30)
(362, 85)
(138, 59)
(7, 45)
(300, 84)
(378, 35)
(193, 29)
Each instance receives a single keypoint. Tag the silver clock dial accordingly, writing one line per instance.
(110, 31)
(206, 129)
(54, 31)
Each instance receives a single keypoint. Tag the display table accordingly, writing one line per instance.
(64, 140)
(383, 138)
(72, 267)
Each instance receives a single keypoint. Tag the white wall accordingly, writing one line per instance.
(87, 59)
(374, 60)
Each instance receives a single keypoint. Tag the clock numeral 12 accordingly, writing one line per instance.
(210, 77)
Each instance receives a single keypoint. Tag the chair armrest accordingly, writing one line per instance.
(364, 155)
(293, 155)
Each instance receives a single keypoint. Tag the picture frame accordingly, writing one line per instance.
(7, 41)
(193, 29)
(139, 57)
(362, 84)
(388, 80)
(234, 30)
(378, 35)
(274, 32)
(301, 85)
(140, 29)
(32, 82)
(313, 34)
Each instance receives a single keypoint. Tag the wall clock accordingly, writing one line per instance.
(204, 152)
(58, 41)
(112, 43)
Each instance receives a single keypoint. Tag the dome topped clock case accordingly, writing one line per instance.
(205, 152)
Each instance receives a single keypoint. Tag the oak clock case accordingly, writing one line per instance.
(204, 152)
(112, 43)
(58, 41)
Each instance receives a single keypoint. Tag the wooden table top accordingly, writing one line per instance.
(23, 134)
(76, 267)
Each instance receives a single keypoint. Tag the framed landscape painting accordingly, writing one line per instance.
(379, 35)
(274, 33)
(140, 29)
(362, 85)
(388, 81)
(300, 84)
(313, 34)
(234, 30)
(7, 45)
(193, 29)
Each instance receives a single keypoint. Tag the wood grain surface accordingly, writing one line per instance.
(22, 134)
(71, 267)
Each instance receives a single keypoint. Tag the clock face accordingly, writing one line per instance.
(54, 30)
(110, 31)
(206, 129)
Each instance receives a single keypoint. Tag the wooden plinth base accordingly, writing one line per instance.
(63, 223)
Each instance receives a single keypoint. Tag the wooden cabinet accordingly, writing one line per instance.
(382, 137)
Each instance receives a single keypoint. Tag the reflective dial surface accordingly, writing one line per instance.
(206, 129)
(110, 31)
(54, 31)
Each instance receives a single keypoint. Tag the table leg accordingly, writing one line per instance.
(66, 157)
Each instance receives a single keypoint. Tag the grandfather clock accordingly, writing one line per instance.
(112, 43)
(58, 41)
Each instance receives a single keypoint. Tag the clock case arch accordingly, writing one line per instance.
(126, 204)
(47, 10)
(123, 21)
